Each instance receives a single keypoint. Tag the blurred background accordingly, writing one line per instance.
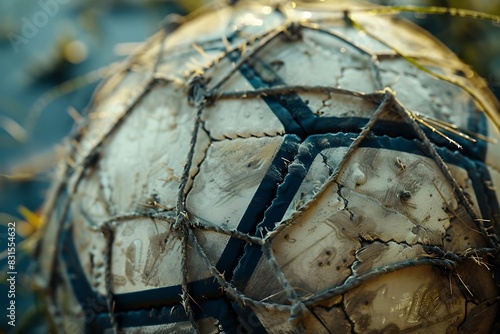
(54, 52)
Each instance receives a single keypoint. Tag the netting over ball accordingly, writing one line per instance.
(280, 168)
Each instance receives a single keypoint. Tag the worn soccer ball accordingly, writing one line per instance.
(280, 167)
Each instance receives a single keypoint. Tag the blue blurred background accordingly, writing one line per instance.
(48, 43)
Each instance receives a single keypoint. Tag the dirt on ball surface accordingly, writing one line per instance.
(280, 167)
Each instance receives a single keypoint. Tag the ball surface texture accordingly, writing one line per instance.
(280, 167)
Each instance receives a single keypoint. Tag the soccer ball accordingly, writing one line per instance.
(280, 167)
